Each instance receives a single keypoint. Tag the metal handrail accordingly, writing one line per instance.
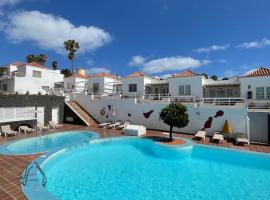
(31, 165)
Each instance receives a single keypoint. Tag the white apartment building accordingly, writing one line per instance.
(32, 78)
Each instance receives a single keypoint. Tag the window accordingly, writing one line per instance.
(260, 93)
(187, 90)
(184, 90)
(95, 87)
(132, 87)
(268, 93)
(70, 86)
(229, 93)
(212, 93)
(4, 87)
(36, 73)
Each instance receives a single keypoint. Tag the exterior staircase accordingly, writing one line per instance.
(81, 113)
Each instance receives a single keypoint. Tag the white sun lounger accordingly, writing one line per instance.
(7, 130)
(122, 126)
(200, 134)
(134, 130)
(26, 129)
(218, 137)
(104, 124)
(54, 125)
(41, 127)
(114, 125)
(242, 140)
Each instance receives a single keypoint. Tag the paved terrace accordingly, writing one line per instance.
(11, 167)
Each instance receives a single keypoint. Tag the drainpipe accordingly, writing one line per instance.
(248, 130)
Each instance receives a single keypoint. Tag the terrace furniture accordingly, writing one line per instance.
(42, 127)
(241, 140)
(134, 130)
(200, 134)
(114, 125)
(218, 137)
(123, 125)
(26, 129)
(103, 125)
(52, 124)
(6, 130)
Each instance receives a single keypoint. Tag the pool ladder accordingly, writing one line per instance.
(25, 177)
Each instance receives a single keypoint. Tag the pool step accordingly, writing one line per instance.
(81, 113)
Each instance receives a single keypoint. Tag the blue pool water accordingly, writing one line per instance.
(139, 169)
(47, 142)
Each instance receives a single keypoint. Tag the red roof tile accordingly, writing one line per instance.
(81, 76)
(33, 64)
(136, 74)
(186, 73)
(17, 63)
(262, 71)
(104, 74)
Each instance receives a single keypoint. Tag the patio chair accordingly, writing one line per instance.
(241, 140)
(26, 129)
(218, 137)
(52, 124)
(42, 127)
(6, 130)
(200, 134)
(114, 125)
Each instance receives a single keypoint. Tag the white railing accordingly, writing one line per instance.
(264, 104)
(10, 114)
(229, 101)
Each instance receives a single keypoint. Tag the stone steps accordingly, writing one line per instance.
(81, 113)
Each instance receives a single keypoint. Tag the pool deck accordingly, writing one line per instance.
(11, 167)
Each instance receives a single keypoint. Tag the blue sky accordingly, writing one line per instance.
(158, 37)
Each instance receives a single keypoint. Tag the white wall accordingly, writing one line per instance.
(140, 81)
(258, 126)
(197, 116)
(78, 83)
(262, 81)
(196, 83)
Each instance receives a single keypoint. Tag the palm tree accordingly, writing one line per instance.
(174, 115)
(55, 65)
(71, 47)
(41, 58)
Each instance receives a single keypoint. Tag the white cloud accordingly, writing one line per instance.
(255, 44)
(7, 3)
(230, 73)
(212, 48)
(223, 61)
(48, 32)
(90, 62)
(171, 64)
(249, 71)
(137, 61)
(96, 70)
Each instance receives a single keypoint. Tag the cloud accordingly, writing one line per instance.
(222, 61)
(7, 3)
(96, 70)
(137, 61)
(90, 62)
(49, 32)
(255, 44)
(212, 48)
(171, 64)
(230, 73)
(249, 71)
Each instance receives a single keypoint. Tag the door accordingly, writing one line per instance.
(40, 115)
(55, 115)
(268, 128)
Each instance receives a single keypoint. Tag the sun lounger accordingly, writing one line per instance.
(41, 127)
(134, 130)
(6, 130)
(200, 134)
(104, 124)
(241, 140)
(218, 137)
(54, 125)
(114, 125)
(122, 126)
(26, 129)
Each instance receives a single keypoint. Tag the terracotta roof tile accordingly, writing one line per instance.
(33, 64)
(17, 63)
(104, 74)
(136, 74)
(262, 71)
(81, 76)
(186, 73)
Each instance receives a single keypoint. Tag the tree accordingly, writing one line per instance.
(225, 78)
(214, 77)
(41, 58)
(54, 65)
(66, 72)
(206, 75)
(2, 71)
(71, 46)
(174, 115)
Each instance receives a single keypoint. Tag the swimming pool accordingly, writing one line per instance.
(48, 142)
(140, 169)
